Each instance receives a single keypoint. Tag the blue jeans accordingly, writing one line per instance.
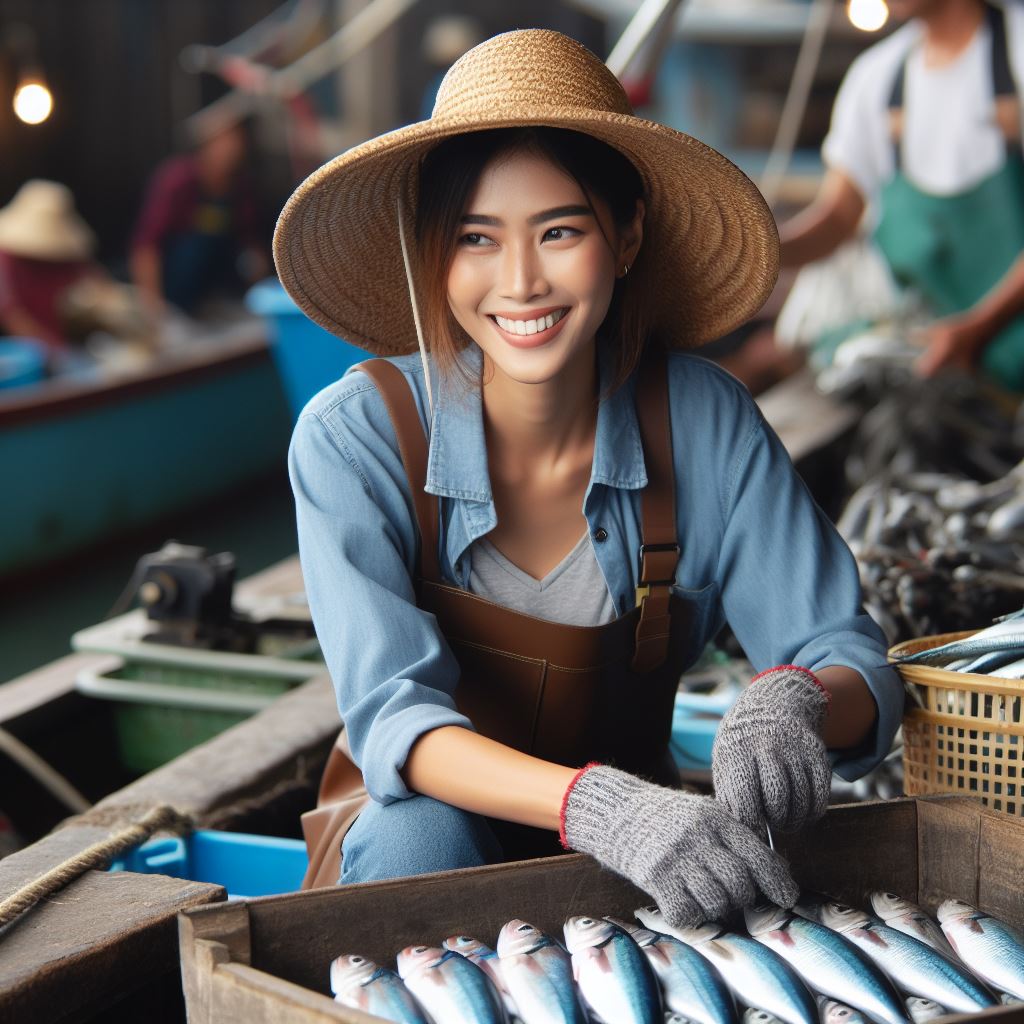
(414, 836)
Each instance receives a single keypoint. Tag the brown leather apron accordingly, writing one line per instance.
(568, 694)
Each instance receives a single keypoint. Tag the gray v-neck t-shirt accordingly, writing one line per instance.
(574, 593)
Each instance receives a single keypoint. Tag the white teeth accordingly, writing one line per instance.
(530, 326)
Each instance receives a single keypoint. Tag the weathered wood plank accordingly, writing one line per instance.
(101, 936)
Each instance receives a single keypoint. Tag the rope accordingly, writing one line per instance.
(159, 818)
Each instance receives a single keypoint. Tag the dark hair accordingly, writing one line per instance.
(448, 175)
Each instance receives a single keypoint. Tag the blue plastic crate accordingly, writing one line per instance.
(694, 725)
(307, 357)
(246, 865)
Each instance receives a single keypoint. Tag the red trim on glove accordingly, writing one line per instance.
(565, 802)
(797, 668)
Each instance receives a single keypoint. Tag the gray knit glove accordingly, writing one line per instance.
(769, 762)
(685, 851)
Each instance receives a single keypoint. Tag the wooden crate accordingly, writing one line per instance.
(268, 959)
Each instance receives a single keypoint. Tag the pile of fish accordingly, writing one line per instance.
(937, 553)
(826, 963)
(997, 651)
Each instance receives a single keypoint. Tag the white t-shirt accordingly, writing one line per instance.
(950, 138)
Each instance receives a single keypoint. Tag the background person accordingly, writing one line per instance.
(924, 152)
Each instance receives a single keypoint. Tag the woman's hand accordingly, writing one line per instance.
(769, 761)
(686, 851)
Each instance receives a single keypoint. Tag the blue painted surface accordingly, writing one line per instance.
(22, 361)
(85, 476)
(246, 865)
(307, 357)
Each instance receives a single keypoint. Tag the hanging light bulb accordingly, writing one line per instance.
(867, 15)
(33, 101)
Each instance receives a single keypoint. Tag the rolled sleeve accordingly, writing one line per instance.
(790, 587)
(393, 672)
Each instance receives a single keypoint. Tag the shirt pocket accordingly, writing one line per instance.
(707, 619)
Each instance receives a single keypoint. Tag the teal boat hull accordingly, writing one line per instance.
(84, 462)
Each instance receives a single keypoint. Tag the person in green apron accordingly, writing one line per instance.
(924, 151)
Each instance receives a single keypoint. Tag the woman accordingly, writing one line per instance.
(517, 600)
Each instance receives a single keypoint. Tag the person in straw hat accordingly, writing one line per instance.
(515, 539)
(45, 249)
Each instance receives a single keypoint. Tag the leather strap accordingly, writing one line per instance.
(659, 550)
(412, 445)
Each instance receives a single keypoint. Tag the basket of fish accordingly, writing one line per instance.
(964, 730)
(561, 941)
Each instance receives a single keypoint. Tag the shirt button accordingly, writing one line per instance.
(600, 534)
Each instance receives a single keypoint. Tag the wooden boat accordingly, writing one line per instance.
(86, 458)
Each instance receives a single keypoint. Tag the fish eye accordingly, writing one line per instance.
(420, 949)
(523, 928)
(464, 939)
(586, 922)
(355, 959)
(892, 896)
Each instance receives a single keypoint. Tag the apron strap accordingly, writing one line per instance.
(659, 548)
(1004, 89)
(412, 444)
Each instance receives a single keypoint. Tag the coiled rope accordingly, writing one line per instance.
(161, 818)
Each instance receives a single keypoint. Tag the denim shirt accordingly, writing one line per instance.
(755, 548)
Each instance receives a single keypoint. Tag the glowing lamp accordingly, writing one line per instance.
(867, 15)
(33, 102)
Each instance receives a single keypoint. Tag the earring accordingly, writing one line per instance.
(625, 269)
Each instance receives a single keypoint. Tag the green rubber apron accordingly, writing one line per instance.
(955, 248)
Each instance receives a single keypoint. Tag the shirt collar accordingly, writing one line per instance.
(457, 462)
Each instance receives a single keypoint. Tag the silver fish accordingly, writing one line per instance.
(1003, 636)
(922, 1010)
(615, 979)
(689, 984)
(827, 961)
(538, 973)
(758, 976)
(915, 968)
(363, 985)
(752, 1015)
(487, 960)
(839, 1013)
(910, 919)
(452, 989)
(993, 950)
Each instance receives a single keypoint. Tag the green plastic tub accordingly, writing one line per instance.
(165, 707)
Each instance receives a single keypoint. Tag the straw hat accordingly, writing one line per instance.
(40, 222)
(711, 240)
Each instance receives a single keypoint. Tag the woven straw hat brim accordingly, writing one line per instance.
(711, 242)
(71, 242)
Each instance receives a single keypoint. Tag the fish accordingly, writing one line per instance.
(758, 976)
(538, 974)
(1003, 636)
(752, 1015)
(451, 988)
(839, 1013)
(690, 986)
(915, 967)
(828, 962)
(910, 919)
(487, 960)
(360, 983)
(615, 979)
(922, 1010)
(992, 949)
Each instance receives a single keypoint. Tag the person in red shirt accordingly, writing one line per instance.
(45, 249)
(197, 234)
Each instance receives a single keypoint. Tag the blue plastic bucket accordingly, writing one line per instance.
(307, 357)
(22, 361)
(246, 865)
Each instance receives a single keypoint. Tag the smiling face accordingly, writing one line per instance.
(535, 267)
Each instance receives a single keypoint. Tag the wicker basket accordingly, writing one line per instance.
(966, 734)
